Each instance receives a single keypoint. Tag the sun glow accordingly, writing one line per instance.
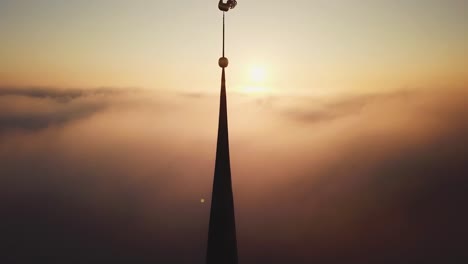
(256, 80)
(255, 89)
(257, 74)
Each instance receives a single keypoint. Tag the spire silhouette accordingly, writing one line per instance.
(222, 242)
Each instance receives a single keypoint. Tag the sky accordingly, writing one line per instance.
(347, 125)
(304, 46)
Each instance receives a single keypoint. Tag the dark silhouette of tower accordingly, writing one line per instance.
(222, 242)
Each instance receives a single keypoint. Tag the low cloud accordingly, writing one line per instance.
(111, 175)
(57, 93)
(41, 107)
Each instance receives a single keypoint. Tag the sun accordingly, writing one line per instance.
(257, 74)
(256, 80)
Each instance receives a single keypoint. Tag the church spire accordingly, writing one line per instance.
(222, 242)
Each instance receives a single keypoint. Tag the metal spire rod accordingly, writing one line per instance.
(223, 33)
(230, 4)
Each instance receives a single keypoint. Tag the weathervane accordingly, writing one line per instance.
(230, 4)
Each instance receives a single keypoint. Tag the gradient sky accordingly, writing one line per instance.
(352, 148)
(303, 46)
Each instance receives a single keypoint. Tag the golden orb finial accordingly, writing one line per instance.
(223, 62)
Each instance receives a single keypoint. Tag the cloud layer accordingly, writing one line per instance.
(116, 175)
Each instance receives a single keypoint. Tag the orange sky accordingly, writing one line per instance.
(310, 47)
(347, 128)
